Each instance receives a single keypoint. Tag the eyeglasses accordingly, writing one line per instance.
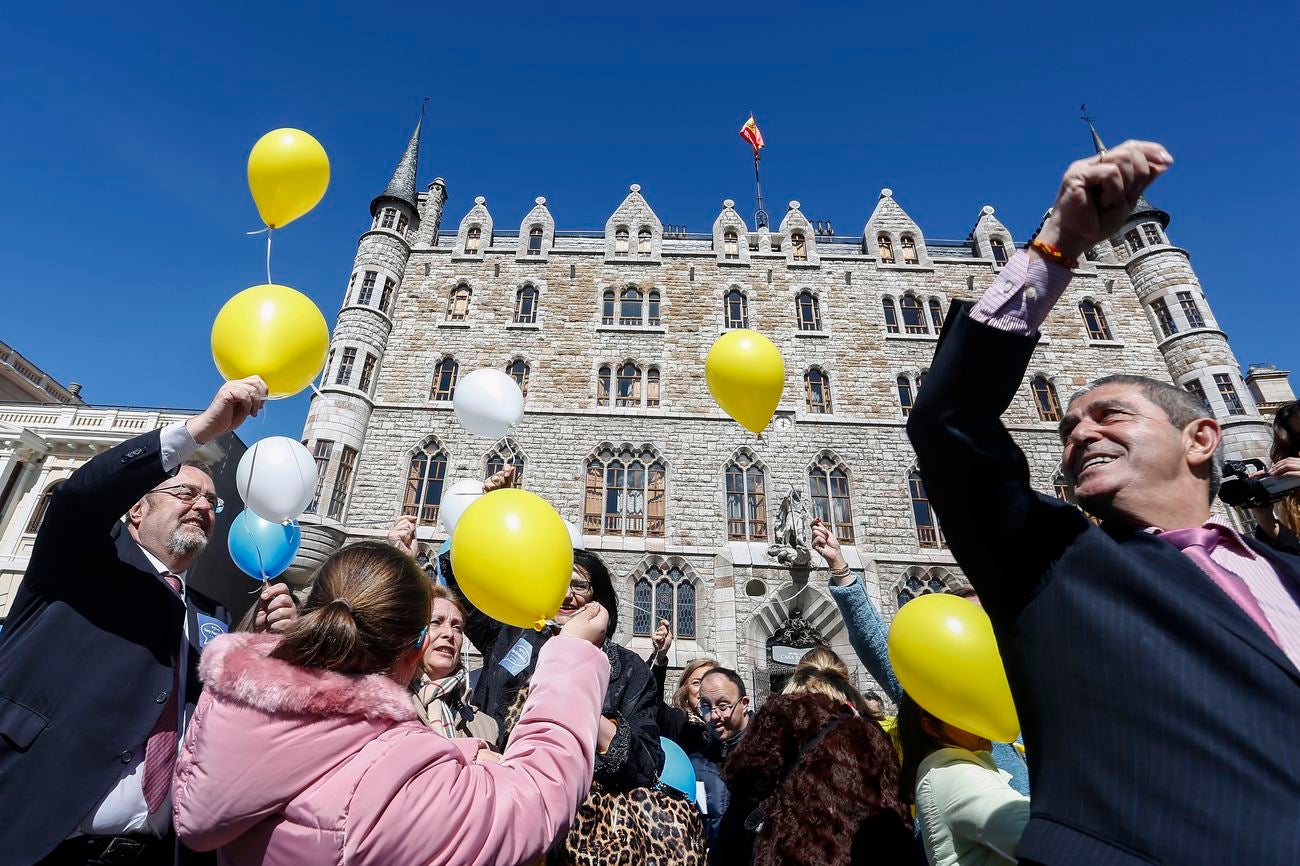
(723, 709)
(189, 493)
(580, 585)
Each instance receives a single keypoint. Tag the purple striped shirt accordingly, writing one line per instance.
(1019, 301)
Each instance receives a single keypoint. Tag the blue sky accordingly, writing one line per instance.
(123, 203)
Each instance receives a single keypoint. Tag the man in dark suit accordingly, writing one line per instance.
(1153, 659)
(102, 643)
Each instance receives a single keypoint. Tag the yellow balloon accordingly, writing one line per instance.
(513, 557)
(288, 173)
(946, 657)
(745, 374)
(274, 332)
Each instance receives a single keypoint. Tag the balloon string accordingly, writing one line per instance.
(269, 233)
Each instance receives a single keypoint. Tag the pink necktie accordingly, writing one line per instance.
(160, 748)
(1196, 544)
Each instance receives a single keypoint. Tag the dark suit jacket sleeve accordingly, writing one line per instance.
(634, 757)
(1004, 535)
(96, 496)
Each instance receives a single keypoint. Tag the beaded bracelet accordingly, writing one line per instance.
(1054, 253)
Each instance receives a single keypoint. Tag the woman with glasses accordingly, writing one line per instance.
(441, 689)
(1280, 522)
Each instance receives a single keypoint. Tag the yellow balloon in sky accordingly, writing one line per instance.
(274, 332)
(746, 375)
(946, 657)
(288, 173)
(513, 557)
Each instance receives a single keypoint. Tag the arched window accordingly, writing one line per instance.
(42, 505)
(629, 385)
(629, 312)
(620, 242)
(798, 247)
(472, 238)
(604, 379)
(685, 607)
(1094, 320)
(886, 247)
(607, 307)
(663, 600)
(518, 370)
(730, 245)
(444, 379)
(526, 306)
(1049, 407)
(999, 251)
(909, 249)
(920, 581)
(817, 391)
(737, 313)
(809, 315)
(928, 532)
(828, 482)
(913, 315)
(535, 241)
(652, 318)
(625, 493)
(641, 600)
(458, 303)
(891, 316)
(643, 243)
(904, 395)
(652, 387)
(936, 314)
(746, 500)
(424, 479)
(506, 453)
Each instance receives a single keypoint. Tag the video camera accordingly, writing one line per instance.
(1245, 492)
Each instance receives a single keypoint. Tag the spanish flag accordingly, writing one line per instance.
(750, 133)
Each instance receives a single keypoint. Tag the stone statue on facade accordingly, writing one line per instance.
(790, 547)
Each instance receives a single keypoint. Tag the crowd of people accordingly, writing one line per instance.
(1153, 654)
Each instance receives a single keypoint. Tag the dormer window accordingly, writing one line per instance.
(620, 242)
(798, 247)
(472, 238)
(909, 250)
(643, 243)
(1134, 240)
(388, 217)
(886, 249)
(999, 251)
(730, 245)
(535, 241)
(1152, 234)
(401, 223)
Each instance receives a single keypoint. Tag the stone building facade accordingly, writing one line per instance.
(609, 331)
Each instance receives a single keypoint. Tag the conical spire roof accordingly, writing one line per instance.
(402, 185)
(1143, 207)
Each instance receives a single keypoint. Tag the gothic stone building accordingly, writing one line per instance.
(607, 332)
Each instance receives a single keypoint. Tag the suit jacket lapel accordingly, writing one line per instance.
(131, 554)
(1188, 577)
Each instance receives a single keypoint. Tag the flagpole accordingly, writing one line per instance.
(760, 215)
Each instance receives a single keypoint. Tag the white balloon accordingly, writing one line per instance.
(576, 535)
(488, 403)
(277, 478)
(455, 499)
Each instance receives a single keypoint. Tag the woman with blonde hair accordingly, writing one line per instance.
(307, 748)
(822, 672)
(441, 689)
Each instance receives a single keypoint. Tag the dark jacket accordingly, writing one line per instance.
(724, 820)
(634, 758)
(1159, 720)
(832, 801)
(88, 653)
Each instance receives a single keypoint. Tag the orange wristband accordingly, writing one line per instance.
(1053, 253)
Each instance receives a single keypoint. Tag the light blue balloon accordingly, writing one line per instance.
(261, 548)
(677, 772)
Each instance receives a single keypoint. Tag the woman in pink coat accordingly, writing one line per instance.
(306, 749)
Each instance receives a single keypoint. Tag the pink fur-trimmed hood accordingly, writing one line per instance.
(238, 667)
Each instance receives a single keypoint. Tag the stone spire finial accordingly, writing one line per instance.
(402, 185)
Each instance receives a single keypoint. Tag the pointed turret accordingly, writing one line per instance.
(401, 188)
(1143, 207)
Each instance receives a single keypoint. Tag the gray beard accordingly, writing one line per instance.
(182, 543)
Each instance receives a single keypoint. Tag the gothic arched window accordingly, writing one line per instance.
(808, 312)
(730, 245)
(999, 251)
(920, 581)
(526, 306)
(604, 383)
(817, 391)
(607, 307)
(625, 493)
(629, 385)
(444, 379)
(472, 238)
(629, 312)
(886, 248)
(746, 500)
(904, 395)
(506, 453)
(518, 370)
(936, 314)
(664, 595)
(42, 505)
(643, 243)
(891, 315)
(828, 482)
(928, 532)
(909, 249)
(737, 311)
(913, 315)
(653, 300)
(652, 387)
(642, 594)
(1045, 399)
(620, 242)
(798, 247)
(458, 303)
(535, 241)
(1094, 320)
(424, 478)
